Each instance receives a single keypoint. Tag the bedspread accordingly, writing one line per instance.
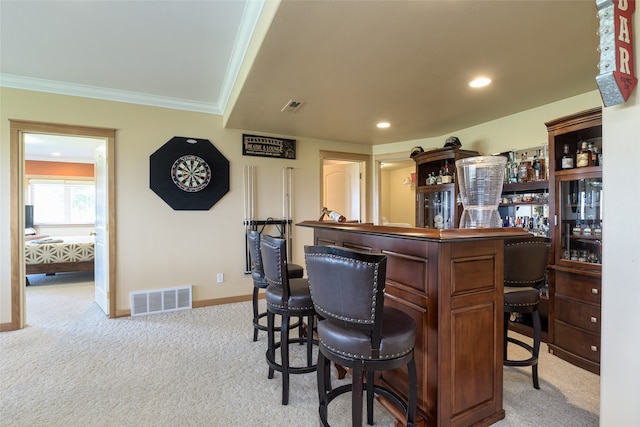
(59, 250)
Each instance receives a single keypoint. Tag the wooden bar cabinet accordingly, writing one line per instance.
(451, 283)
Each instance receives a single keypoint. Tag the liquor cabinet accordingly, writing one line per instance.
(437, 204)
(576, 206)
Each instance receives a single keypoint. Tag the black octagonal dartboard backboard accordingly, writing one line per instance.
(189, 173)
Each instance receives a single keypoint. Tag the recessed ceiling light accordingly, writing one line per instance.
(54, 154)
(383, 125)
(480, 82)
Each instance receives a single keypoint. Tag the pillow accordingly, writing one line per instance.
(35, 237)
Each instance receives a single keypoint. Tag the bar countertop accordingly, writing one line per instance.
(417, 233)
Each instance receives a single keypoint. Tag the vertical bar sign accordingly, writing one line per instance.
(266, 146)
(617, 78)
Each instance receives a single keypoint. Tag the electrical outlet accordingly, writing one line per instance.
(220, 277)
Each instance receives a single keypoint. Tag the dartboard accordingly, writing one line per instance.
(190, 173)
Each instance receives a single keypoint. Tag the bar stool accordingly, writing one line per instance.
(294, 271)
(287, 298)
(357, 330)
(525, 267)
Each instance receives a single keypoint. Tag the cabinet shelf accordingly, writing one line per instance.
(588, 205)
(521, 187)
(579, 171)
(436, 187)
(592, 239)
(524, 203)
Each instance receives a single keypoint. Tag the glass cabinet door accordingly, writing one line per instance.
(580, 220)
(437, 209)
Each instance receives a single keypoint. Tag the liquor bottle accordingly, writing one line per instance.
(543, 165)
(567, 158)
(596, 156)
(524, 169)
(590, 147)
(511, 172)
(432, 179)
(584, 156)
(597, 230)
(446, 174)
(332, 215)
(536, 169)
(507, 165)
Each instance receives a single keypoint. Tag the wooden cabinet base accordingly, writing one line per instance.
(575, 360)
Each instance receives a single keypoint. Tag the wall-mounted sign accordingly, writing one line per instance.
(189, 173)
(267, 146)
(617, 78)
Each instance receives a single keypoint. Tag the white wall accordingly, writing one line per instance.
(158, 247)
(620, 367)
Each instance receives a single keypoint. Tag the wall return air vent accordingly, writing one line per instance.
(160, 300)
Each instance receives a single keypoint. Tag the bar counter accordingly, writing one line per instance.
(451, 283)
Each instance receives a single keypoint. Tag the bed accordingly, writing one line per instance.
(50, 255)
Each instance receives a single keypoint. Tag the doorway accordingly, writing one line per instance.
(105, 220)
(344, 187)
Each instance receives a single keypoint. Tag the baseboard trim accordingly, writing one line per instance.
(6, 327)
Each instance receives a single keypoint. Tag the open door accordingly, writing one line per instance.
(101, 244)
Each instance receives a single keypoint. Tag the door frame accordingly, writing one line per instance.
(16, 154)
(364, 161)
(379, 160)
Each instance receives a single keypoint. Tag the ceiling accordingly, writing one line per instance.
(350, 63)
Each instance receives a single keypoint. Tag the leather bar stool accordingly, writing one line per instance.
(288, 298)
(294, 271)
(525, 267)
(356, 330)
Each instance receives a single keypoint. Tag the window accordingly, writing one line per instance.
(62, 201)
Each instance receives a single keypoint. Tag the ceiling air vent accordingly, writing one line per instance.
(292, 106)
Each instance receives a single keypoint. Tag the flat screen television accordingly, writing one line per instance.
(28, 216)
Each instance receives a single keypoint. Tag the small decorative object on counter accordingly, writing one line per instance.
(332, 215)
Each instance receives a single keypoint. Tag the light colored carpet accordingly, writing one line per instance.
(74, 367)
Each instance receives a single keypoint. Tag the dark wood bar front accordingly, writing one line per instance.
(450, 282)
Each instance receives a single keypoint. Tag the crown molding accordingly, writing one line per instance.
(94, 92)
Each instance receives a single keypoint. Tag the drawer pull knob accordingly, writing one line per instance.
(594, 348)
(594, 320)
(594, 291)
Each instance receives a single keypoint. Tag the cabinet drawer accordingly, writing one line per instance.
(583, 288)
(578, 314)
(577, 341)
